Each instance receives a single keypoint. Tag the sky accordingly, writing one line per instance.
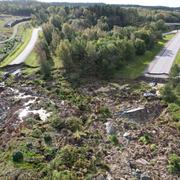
(171, 3)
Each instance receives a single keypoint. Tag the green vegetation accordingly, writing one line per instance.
(105, 112)
(174, 163)
(32, 59)
(177, 60)
(17, 157)
(114, 140)
(145, 139)
(171, 93)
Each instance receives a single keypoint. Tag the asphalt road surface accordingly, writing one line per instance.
(161, 65)
(25, 53)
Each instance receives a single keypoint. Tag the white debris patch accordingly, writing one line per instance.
(23, 96)
(30, 102)
(26, 112)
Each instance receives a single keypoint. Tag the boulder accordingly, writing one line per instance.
(110, 128)
(144, 176)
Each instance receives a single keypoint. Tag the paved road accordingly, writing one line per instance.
(22, 57)
(161, 65)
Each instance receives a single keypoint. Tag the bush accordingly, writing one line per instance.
(71, 123)
(18, 157)
(36, 133)
(145, 139)
(105, 112)
(74, 124)
(63, 175)
(174, 163)
(57, 123)
(168, 94)
(48, 139)
(174, 110)
(114, 140)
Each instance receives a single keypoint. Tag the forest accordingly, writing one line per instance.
(98, 40)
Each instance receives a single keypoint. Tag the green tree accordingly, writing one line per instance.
(47, 30)
(68, 31)
(140, 46)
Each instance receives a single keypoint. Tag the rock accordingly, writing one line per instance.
(100, 177)
(149, 94)
(110, 128)
(109, 177)
(144, 176)
(142, 161)
(136, 173)
(126, 135)
(2, 87)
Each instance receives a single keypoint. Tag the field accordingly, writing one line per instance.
(5, 32)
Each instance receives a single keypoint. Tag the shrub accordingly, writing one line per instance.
(48, 139)
(71, 123)
(174, 110)
(105, 112)
(57, 123)
(74, 124)
(174, 163)
(36, 133)
(145, 139)
(68, 156)
(114, 140)
(168, 94)
(18, 157)
(153, 147)
(63, 175)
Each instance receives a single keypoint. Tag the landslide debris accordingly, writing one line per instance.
(96, 131)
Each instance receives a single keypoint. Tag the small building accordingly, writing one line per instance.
(9, 24)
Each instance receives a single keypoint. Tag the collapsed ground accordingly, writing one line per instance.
(51, 129)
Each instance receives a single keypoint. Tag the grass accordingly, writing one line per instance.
(168, 37)
(5, 31)
(25, 33)
(33, 61)
(177, 60)
(135, 68)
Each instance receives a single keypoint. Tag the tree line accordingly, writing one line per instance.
(96, 41)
